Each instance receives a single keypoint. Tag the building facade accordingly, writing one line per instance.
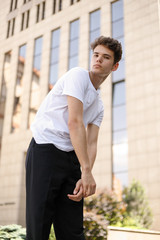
(39, 41)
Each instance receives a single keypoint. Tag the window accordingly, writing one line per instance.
(10, 28)
(6, 78)
(17, 109)
(60, 5)
(73, 1)
(73, 44)
(25, 1)
(25, 20)
(119, 131)
(54, 59)
(118, 33)
(40, 12)
(57, 6)
(54, 6)
(119, 124)
(94, 31)
(13, 5)
(35, 84)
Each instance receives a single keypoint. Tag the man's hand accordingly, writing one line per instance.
(77, 193)
(88, 183)
(84, 187)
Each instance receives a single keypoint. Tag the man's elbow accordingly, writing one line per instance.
(75, 123)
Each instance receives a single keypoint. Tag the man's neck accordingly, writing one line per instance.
(96, 80)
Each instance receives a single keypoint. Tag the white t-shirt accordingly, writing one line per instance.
(51, 121)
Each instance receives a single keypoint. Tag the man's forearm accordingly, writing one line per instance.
(79, 142)
(92, 152)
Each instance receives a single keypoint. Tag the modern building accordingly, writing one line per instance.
(39, 41)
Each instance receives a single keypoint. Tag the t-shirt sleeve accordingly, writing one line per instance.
(75, 84)
(98, 120)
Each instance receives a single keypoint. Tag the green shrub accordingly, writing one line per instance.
(104, 209)
(107, 205)
(137, 204)
(101, 210)
(11, 232)
(52, 235)
(95, 227)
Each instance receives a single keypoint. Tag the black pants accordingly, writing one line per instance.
(51, 174)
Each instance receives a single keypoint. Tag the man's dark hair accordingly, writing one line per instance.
(110, 43)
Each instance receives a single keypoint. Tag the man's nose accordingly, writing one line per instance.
(99, 59)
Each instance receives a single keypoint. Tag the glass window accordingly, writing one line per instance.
(54, 6)
(53, 73)
(35, 85)
(60, 5)
(94, 35)
(119, 96)
(73, 44)
(119, 118)
(121, 40)
(73, 47)
(119, 74)
(120, 180)
(37, 62)
(95, 26)
(119, 121)
(25, 20)
(74, 29)
(117, 29)
(117, 10)
(10, 27)
(6, 78)
(13, 5)
(17, 110)
(73, 62)
(38, 46)
(54, 59)
(119, 136)
(55, 38)
(95, 20)
(120, 153)
(54, 55)
(40, 11)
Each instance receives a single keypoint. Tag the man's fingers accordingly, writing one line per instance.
(77, 188)
(88, 191)
(76, 197)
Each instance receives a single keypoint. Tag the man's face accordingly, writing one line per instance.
(102, 62)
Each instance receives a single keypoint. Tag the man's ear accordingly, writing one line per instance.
(115, 66)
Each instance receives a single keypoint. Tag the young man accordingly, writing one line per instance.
(63, 148)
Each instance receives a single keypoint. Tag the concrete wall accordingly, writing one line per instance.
(142, 38)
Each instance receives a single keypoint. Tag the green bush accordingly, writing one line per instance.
(11, 232)
(52, 235)
(137, 205)
(101, 210)
(94, 227)
(107, 205)
(104, 209)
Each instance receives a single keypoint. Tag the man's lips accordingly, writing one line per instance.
(97, 65)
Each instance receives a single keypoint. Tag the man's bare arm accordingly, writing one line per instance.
(92, 138)
(79, 142)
